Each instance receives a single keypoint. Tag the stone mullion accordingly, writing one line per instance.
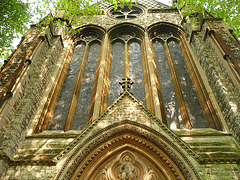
(146, 76)
(76, 90)
(107, 78)
(99, 98)
(177, 87)
(126, 60)
(150, 59)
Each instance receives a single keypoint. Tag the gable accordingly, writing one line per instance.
(149, 4)
(126, 107)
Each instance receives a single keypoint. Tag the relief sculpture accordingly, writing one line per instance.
(127, 169)
(127, 166)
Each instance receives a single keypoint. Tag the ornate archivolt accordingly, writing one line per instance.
(129, 165)
(126, 151)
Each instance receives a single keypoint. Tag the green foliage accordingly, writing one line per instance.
(228, 10)
(14, 16)
(75, 9)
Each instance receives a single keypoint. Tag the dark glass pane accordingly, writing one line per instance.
(82, 110)
(117, 71)
(174, 118)
(193, 105)
(61, 109)
(136, 72)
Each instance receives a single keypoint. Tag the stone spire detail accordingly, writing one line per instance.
(126, 84)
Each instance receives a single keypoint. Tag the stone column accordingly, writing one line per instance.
(99, 90)
(150, 60)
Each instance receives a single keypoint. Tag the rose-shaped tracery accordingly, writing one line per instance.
(126, 12)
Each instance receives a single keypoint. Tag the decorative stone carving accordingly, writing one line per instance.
(126, 83)
(103, 174)
(127, 169)
(79, 155)
(128, 166)
(150, 175)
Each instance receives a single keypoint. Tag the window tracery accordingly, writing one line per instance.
(126, 62)
(185, 106)
(182, 106)
(72, 108)
(125, 12)
(183, 100)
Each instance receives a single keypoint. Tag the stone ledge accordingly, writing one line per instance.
(56, 134)
(200, 132)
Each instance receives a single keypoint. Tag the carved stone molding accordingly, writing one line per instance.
(149, 116)
(128, 166)
(166, 151)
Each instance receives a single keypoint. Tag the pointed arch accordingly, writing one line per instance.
(173, 55)
(165, 26)
(66, 109)
(87, 28)
(128, 56)
(123, 26)
(100, 150)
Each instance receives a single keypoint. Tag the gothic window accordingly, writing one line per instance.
(73, 104)
(126, 62)
(183, 108)
(126, 12)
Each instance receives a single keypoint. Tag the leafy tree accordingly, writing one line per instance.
(228, 10)
(14, 16)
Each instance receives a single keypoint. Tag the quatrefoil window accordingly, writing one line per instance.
(126, 12)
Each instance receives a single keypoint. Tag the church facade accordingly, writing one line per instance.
(137, 93)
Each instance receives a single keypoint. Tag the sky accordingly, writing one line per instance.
(167, 2)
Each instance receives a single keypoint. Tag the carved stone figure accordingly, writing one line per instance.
(127, 169)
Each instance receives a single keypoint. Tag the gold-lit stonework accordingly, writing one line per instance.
(64, 115)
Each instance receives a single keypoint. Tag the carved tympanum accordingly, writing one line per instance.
(128, 166)
(127, 169)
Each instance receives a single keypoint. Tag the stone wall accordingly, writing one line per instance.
(146, 20)
(28, 91)
(31, 83)
(224, 89)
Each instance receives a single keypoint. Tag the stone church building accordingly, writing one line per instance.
(137, 94)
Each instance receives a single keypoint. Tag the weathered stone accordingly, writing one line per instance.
(126, 140)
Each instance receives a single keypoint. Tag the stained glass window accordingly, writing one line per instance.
(126, 62)
(117, 71)
(126, 12)
(182, 106)
(136, 72)
(73, 105)
(193, 105)
(61, 109)
(174, 118)
(85, 96)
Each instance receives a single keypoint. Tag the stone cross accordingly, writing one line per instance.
(126, 84)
